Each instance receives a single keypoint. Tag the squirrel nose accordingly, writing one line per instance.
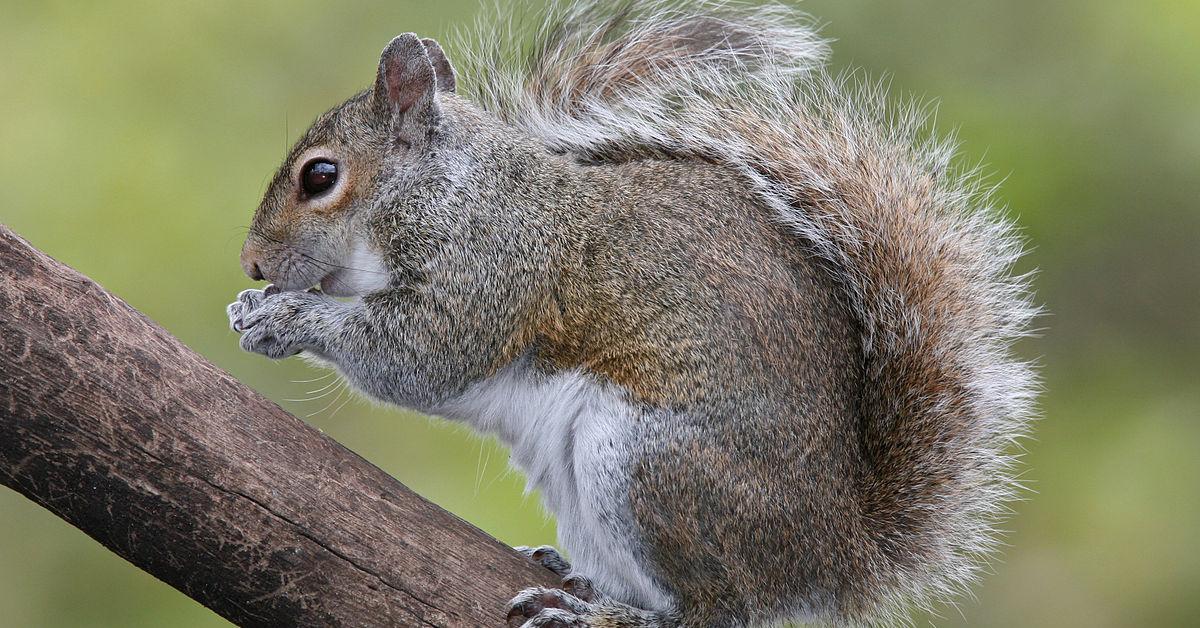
(250, 265)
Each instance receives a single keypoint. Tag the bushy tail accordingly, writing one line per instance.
(923, 256)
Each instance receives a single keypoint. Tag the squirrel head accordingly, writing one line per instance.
(310, 226)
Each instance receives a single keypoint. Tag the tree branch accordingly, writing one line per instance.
(115, 426)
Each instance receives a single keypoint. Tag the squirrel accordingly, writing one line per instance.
(738, 318)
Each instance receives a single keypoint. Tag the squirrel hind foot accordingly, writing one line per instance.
(578, 606)
(547, 557)
(540, 607)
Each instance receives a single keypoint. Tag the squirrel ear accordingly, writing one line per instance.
(406, 82)
(441, 65)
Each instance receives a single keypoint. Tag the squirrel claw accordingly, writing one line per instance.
(580, 587)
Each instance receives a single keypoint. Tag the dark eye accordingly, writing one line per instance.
(318, 176)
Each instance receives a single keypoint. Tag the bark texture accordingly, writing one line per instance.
(112, 424)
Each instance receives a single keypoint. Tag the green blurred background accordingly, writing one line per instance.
(136, 138)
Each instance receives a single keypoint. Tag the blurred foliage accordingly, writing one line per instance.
(136, 136)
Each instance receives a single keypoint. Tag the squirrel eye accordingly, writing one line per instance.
(318, 176)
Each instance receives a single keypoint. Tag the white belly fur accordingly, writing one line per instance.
(569, 433)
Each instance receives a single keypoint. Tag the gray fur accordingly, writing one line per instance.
(743, 327)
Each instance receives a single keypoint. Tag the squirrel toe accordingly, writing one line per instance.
(547, 557)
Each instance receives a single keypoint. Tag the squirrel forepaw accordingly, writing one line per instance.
(247, 301)
(277, 324)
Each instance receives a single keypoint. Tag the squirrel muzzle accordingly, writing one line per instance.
(249, 260)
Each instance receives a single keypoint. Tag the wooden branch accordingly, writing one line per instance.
(112, 424)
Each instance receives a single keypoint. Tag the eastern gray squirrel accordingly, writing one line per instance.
(741, 323)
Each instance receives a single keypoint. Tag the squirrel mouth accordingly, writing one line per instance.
(337, 284)
(326, 283)
(329, 284)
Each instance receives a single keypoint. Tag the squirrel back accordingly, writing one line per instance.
(917, 249)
